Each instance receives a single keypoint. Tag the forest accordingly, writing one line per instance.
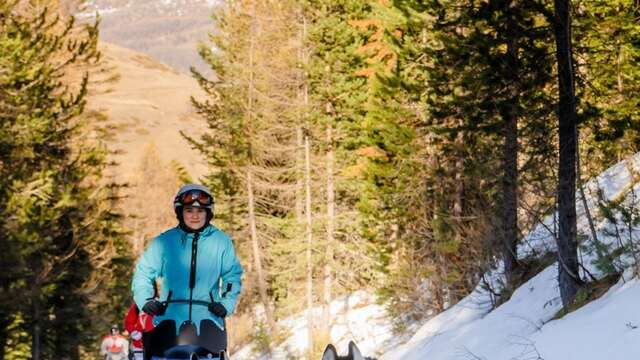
(402, 147)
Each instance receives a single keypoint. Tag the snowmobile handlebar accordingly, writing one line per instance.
(186, 301)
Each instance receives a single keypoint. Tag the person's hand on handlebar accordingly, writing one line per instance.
(218, 309)
(153, 307)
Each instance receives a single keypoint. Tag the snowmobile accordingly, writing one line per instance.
(162, 343)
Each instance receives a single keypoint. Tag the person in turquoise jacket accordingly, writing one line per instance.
(198, 272)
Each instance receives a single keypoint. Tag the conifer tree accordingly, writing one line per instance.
(484, 66)
(568, 275)
(390, 151)
(419, 131)
(63, 249)
(253, 116)
(337, 94)
(303, 122)
(606, 82)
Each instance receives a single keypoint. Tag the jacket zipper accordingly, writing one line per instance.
(192, 272)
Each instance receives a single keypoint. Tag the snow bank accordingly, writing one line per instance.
(530, 306)
(612, 184)
(607, 328)
(355, 317)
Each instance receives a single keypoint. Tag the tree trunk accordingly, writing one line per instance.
(510, 161)
(510, 200)
(585, 204)
(451, 292)
(327, 270)
(329, 247)
(3, 334)
(299, 177)
(304, 95)
(257, 257)
(36, 341)
(458, 201)
(5, 299)
(568, 277)
(309, 235)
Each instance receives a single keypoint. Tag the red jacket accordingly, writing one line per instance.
(136, 322)
(115, 346)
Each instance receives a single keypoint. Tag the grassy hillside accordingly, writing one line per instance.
(139, 105)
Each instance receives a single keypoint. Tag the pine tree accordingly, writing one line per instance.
(568, 275)
(390, 152)
(607, 72)
(63, 250)
(337, 94)
(296, 138)
(485, 70)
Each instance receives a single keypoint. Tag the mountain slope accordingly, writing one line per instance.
(168, 30)
(145, 102)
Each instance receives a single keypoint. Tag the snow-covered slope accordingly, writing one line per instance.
(521, 328)
(604, 329)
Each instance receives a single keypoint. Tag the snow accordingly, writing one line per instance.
(355, 317)
(612, 184)
(604, 329)
(523, 328)
(533, 303)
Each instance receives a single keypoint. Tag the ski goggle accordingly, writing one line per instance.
(193, 196)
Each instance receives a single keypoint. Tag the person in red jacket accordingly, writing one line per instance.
(114, 346)
(137, 322)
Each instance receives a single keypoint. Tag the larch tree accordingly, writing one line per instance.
(256, 146)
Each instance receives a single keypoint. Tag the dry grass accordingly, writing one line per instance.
(589, 292)
(240, 327)
(144, 103)
(149, 63)
(142, 131)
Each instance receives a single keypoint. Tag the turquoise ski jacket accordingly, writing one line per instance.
(169, 259)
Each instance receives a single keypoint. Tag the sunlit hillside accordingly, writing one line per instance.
(167, 30)
(142, 106)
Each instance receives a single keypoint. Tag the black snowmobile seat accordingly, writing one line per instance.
(188, 352)
(162, 343)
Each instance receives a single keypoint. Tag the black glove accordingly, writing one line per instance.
(154, 307)
(218, 309)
